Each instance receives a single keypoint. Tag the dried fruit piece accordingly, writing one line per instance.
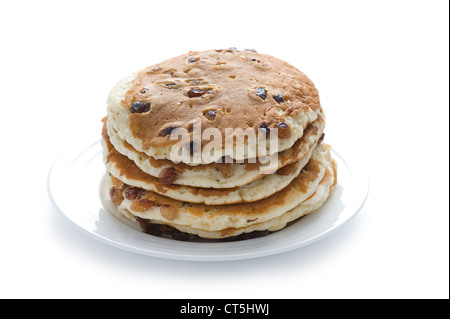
(322, 137)
(191, 147)
(143, 91)
(136, 106)
(279, 98)
(140, 107)
(225, 170)
(168, 212)
(142, 205)
(264, 128)
(210, 115)
(195, 92)
(282, 125)
(284, 130)
(169, 84)
(192, 60)
(196, 81)
(167, 131)
(116, 196)
(168, 175)
(261, 92)
(132, 193)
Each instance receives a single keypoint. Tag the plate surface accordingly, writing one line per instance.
(79, 173)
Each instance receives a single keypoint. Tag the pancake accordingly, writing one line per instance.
(251, 158)
(224, 175)
(219, 89)
(323, 192)
(126, 170)
(158, 208)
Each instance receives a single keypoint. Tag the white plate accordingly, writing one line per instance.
(76, 187)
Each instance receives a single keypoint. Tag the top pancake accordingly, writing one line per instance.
(218, 89)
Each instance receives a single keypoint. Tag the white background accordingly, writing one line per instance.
(381, 68)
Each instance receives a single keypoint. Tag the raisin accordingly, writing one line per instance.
(192, 60)
(156, 69)
(168, 175)
(195, 92)
(142, 205)
(210, 115)
(132, 193)
(140, 107)
(225, 170)
(279, 98)
(261, 92)
(283, 130)
(167, 131)
(168, 212)
(144, 91)
(169, 84)
(116, 196)
(264, 128)
(136, 106)
(251, 50)
(191, 147)
(322, 137)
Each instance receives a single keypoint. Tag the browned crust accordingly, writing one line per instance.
(309, 173)
(286, 157)
(229, 79)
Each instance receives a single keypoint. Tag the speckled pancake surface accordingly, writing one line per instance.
(323, 191)
(220, 175)
(219, 89)
(254, 226)
(122, 168)
(153, 206)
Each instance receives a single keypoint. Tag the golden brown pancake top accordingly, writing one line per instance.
(220, 89)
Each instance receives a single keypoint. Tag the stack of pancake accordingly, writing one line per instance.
(228, 192)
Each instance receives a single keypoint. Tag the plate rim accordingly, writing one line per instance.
(351, 163)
